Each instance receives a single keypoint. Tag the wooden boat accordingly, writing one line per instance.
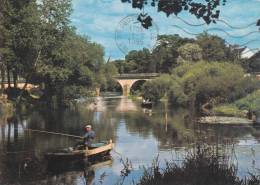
(95, 150)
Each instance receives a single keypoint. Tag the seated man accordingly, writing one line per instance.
(88, 136)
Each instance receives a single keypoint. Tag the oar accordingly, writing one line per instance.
(55, 133)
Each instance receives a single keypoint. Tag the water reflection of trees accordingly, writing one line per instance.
(19, 145)
(176, 128)
(172, 128)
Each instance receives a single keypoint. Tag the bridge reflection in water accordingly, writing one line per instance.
(126, 105)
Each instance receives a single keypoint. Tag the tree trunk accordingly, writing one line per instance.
(60, 96)
(15, 78)
(8, 77)
(2, 79)
(48, 92)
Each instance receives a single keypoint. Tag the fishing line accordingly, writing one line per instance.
(49, 132)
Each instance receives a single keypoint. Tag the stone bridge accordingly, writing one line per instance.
(127, 80)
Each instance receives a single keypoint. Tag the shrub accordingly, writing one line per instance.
(202, 81)
(204, 167)
(251, 101)
(157, 88)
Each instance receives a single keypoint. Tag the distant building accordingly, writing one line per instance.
(251, 56)
(247, 53)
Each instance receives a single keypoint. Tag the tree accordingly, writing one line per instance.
(203, 82)
(190, 52)
(214, 48)
(156, 89)
(166, 53)
(120, 65)
(22, 39)
(38, 43)
(142, 59)
(195, 84)
(75, 70)
(137, 62)
(4, 35)
(26, 39)
(6, 53)
(110, 71)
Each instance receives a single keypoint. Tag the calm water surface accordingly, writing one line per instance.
(140, 135)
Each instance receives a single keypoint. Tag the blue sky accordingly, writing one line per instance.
(99, 19)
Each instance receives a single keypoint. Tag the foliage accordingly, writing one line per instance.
(77, 63)
(172, 50)
(161, 60)
(137, 62)
(142, 59)
(250, 102)
(228, 109)
(214, 48)
(204, 166)
(203, 82)
(158, 88)
(207, 9)
(40, 45)
(200, 83)
(165, 54)
(190, 52)
(110, 71)
(237, 108)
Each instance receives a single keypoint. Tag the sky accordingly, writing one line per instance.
(113, 25)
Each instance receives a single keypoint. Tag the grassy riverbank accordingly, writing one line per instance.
(241, 106)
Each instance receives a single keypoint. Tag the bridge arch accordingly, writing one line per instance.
(126, 81)
(127, 84)
(137, 86)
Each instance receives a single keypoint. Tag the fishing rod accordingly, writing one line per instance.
(55, 133)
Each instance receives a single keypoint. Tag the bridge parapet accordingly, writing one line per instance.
(137, 76)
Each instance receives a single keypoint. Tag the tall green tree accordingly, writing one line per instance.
(142, 59)
(6, 53)
(166, 52)
(214, 48)
(26, 39)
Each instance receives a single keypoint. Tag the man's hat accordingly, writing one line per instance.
(88, 126)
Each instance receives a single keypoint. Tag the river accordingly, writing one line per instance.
(140, 136)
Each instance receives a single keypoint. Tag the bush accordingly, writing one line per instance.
(204, 167)
(202, 82)
(157, 88)
(251, 101)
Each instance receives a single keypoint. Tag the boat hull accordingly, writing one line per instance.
(90, 152)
